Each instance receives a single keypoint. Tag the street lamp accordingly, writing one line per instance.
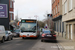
(36, 16)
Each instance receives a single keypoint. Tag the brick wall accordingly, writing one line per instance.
(11, 10)
(54, 4)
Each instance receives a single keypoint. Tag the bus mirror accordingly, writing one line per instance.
(20, 23)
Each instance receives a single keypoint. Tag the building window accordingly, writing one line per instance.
(52, 1)
(66, 7)
(11, 16)
(52, 12)
(11, 6)
(70, 5)
(56, 9)
(62, 27)
(55, 26)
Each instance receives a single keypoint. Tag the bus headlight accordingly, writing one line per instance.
(34, 34)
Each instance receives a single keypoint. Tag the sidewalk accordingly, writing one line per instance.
(65, 43)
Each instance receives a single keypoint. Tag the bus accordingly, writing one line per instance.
(29, 28)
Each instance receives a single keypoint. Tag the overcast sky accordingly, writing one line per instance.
(31, 8)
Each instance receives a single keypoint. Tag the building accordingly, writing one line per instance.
(8, 14)
(4, 20)
(11, 10)
(68, 7)
(57, 16)
(11, 15)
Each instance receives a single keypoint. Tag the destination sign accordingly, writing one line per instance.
(28, 21)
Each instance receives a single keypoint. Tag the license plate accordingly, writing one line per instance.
(28, 35)
(49, 35)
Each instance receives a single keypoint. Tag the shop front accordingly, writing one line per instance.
(12, 25)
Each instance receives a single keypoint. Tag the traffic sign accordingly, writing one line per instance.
(3, 11)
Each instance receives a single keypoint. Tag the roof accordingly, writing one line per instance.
(28, 19)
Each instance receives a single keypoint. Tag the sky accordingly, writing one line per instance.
(32, 9)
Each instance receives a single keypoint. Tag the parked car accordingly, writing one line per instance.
(8, 36)
(2, 33)
(16, 33)
(47, 35)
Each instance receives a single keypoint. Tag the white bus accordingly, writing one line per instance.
(29, 28)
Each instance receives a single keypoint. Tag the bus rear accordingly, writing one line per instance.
(29, 28)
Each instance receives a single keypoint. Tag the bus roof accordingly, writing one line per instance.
(28, 19)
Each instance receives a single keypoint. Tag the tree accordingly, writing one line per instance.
(16, 21)
(41, 24)
(49, 22)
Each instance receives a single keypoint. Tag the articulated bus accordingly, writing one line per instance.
(29, 28)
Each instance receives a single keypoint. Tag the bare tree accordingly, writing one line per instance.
(41, 24)
(49, 22)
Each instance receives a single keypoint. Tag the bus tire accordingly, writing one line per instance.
(36, 38)
(22, 37)
(41, 40)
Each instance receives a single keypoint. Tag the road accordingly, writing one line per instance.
(28, 44)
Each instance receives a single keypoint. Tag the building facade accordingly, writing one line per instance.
(11, 15)
(5, 20)
(68, 7)
(11, 10)
(57, 16)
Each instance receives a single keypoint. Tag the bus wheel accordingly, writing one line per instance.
(36, 37)
(41, 40)
(22, 37)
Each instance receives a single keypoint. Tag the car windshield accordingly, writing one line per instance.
(28, 27)
(46, 32)
(6, 32)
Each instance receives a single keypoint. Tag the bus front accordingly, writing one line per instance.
(28, 28)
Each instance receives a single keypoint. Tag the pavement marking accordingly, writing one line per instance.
(59, 47)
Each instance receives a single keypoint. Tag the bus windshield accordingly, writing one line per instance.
(28, 27)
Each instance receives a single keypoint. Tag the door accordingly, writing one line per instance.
(71, 32)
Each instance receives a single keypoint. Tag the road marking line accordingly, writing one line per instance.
(58, 47)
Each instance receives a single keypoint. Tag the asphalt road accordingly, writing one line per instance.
(28, 44)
